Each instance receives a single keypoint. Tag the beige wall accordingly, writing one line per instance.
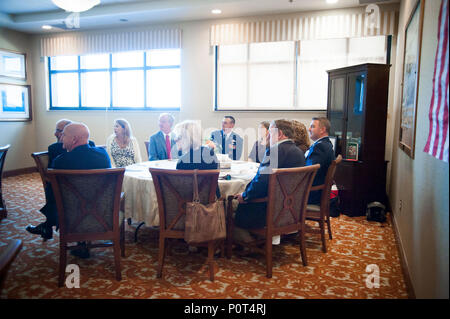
(21, 135)
(421, 184)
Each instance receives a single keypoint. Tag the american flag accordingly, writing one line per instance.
(437, 143)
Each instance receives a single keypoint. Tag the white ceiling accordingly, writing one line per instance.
(29, 15)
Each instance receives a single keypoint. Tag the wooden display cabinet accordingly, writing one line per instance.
(357, 110)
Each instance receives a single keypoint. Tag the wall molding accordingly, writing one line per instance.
(20, 171)
(403, 260)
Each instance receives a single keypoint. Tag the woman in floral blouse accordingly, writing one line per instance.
(122, 146)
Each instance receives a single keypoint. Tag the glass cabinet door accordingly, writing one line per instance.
(355, 115)
(336, 113)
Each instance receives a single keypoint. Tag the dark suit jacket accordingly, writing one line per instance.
(321, 152)
(289, 155)
(81, 157)
(253, 215)
(234, 153)
(157, 147)
(201, 158)
(56, 149)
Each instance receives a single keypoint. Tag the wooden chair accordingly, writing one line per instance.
(88, 203)
(321, 213)
(173, 189)
(42, 160)
(3, 151)
(6, 259)
(146, 147)
(288, 192)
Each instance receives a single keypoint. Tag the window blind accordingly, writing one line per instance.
(81, 43)
(306, 27)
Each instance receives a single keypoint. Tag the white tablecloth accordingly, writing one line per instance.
(141, 204)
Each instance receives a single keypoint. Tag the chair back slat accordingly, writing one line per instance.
(174, 188)
(3, 151)
(288, 195)
(42, 161)
(146, 147)
(329, 179)
(88, 200)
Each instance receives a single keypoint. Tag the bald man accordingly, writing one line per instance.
(56, 149)
(79, 155)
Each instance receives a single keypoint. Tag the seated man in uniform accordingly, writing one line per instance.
(226, 140)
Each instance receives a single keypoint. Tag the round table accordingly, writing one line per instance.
(140, 196)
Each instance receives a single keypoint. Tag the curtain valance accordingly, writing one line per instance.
(306, 27)
(78, 43)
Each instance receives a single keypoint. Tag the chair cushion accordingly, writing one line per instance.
(313, 208)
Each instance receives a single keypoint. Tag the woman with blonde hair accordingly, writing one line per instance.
(122, 146)
(193, 154)
(300, 138)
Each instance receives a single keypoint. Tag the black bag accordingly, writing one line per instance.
(335, 210)
(376, 212)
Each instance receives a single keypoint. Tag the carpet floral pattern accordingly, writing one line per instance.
(339, 273)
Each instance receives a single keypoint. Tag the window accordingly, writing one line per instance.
(125, 80)
(256, 75)
(318, 56)
(287, 75)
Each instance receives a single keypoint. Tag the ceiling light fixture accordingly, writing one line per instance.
(76, 6)
(216, 11)
(46, 27)
(332, 1)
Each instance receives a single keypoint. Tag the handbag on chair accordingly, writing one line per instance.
(204, 222)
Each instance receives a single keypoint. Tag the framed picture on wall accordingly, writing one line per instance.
(12, 65)
(411, 64)
(15, 102)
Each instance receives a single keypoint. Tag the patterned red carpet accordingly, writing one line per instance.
(340, 273)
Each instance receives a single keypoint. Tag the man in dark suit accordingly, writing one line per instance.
(320, 152)
(56, 149)
(162, 145)
(79, 155)
(226, 140)
(283, 154)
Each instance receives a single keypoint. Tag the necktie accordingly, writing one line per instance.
(223, 142)
(168, 147)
